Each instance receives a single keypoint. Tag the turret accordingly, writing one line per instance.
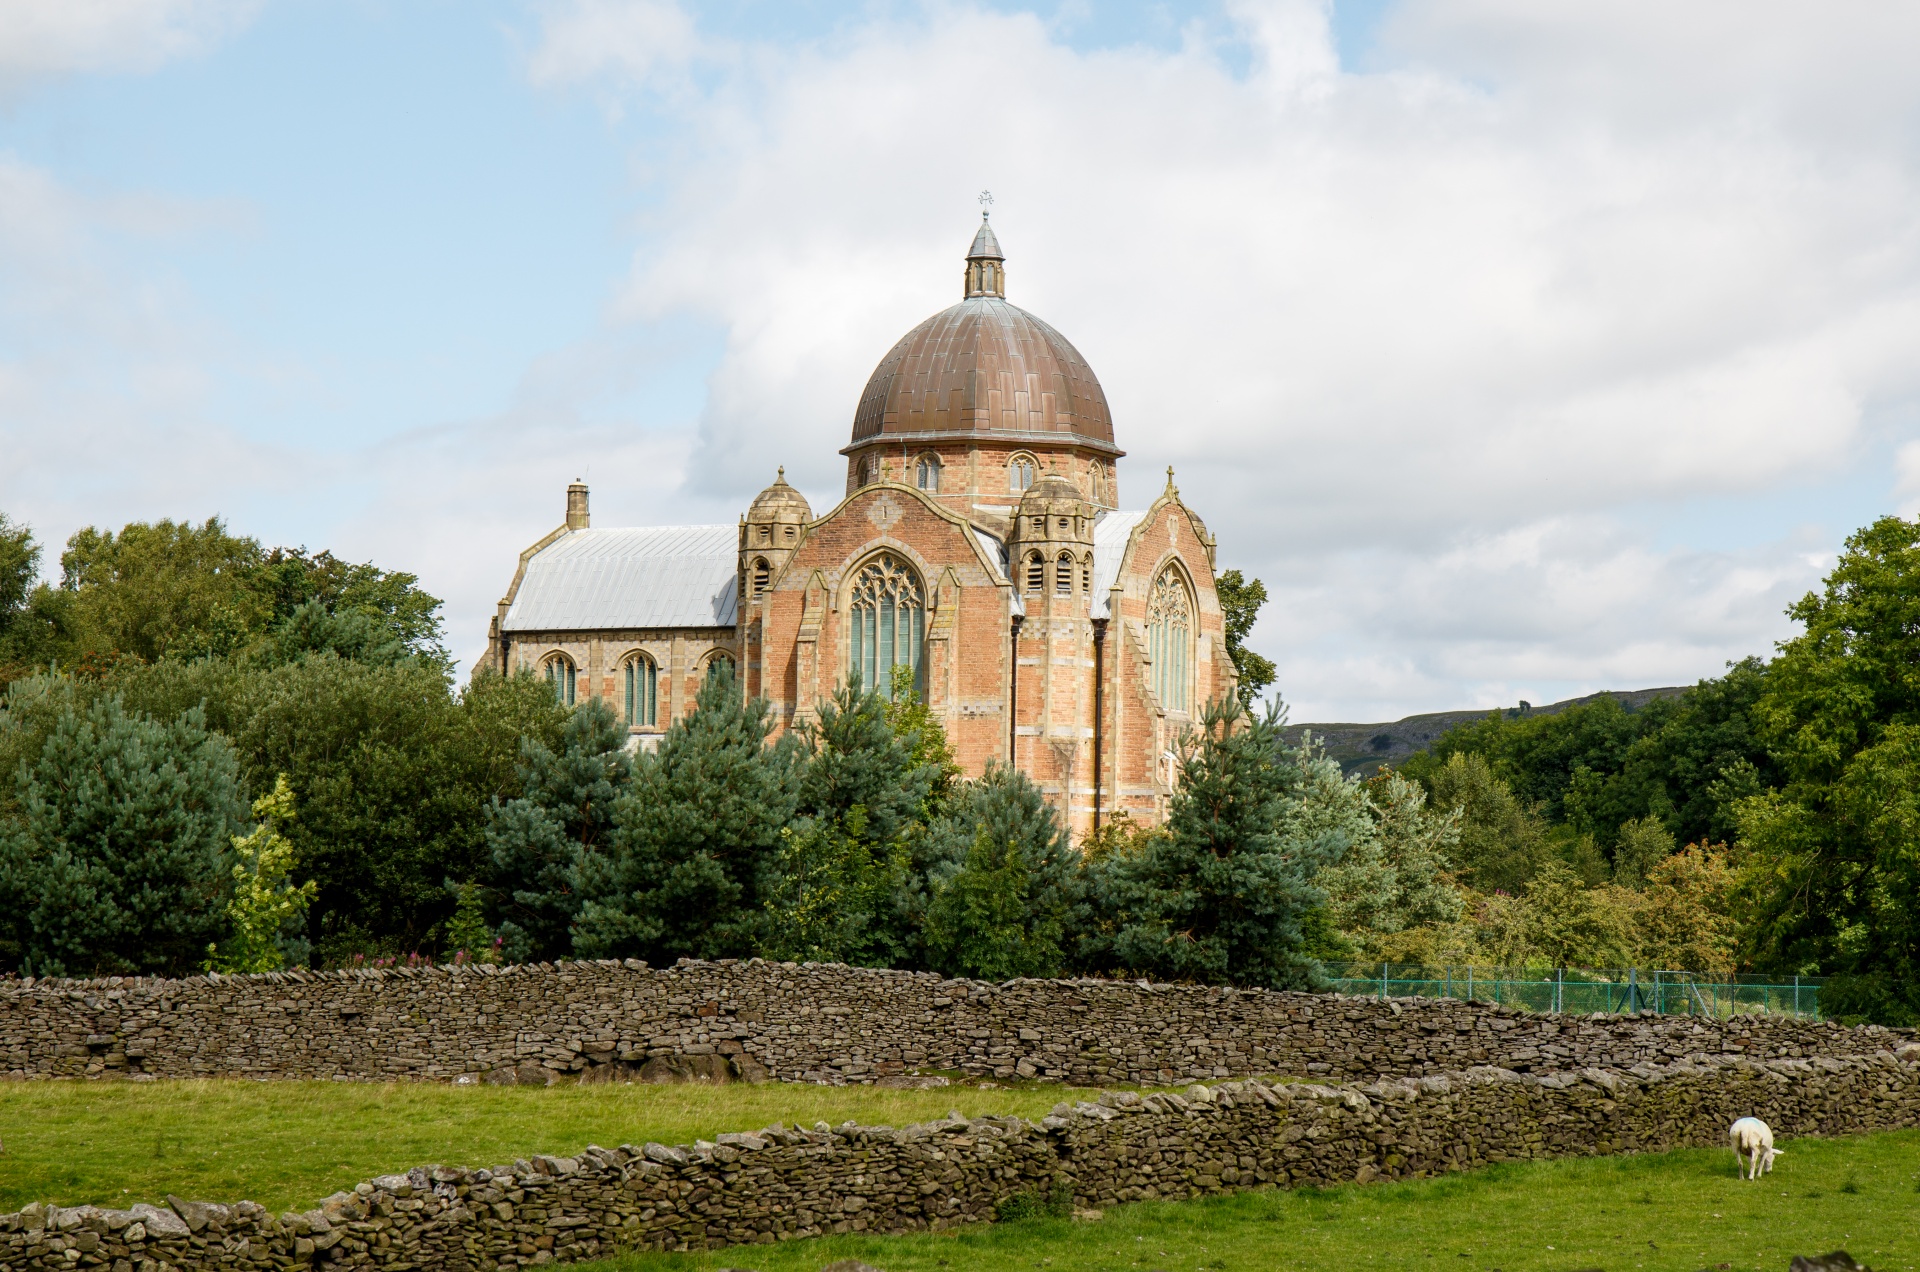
(1051, 541)
(771, 530)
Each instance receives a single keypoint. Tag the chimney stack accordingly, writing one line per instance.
(577, 518)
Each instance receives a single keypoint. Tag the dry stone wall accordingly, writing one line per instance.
(816, 1023)
(783, 1183)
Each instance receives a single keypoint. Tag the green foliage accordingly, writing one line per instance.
(1055, 1203)
(1502, 843)
(117, 858)
(1223, 895)
(19, 567)
(1834, 876)
(1007, 894)
(832, 892)
(165, 588)
(1643, 845)
(265, 909)
(1396, 871)
(467, 937)
(694, 839)
(1240, 602)
(568, 792)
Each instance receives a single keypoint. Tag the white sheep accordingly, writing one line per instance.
(1753, 1146)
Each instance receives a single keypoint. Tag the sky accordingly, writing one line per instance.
(1521, 350)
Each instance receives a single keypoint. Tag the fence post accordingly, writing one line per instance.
(1796, 995)
(1470, 983)
(1559, 987)
(1633, 989)
(1383, 982)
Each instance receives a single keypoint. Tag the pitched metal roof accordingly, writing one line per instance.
(1110, 535)
(648, 576)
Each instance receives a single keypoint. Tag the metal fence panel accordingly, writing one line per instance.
(1579, 990)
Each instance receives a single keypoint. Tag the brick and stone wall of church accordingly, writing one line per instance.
(757, 1019)
(782, 1183)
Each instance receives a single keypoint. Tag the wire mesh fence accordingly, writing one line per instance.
(1587, 989)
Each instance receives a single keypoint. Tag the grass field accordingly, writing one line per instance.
(1670, 1212)
(288, 1144)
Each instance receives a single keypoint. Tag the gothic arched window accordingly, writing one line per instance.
(1036, 574)
(561, 676)
(1086, 575)
(643, 691)
(926, 474)
(1063, 575)
(1020, 473)
(886, 618)
(719, 665)
(762, 575)
(1170, 639)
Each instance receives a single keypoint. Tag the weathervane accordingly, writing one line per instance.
(986, 202)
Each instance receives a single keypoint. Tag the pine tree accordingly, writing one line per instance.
(1225, 894)
(1007, 897)
(565, 812)
(118, 858)
(694, 839)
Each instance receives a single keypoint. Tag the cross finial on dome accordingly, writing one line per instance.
(1172, 490)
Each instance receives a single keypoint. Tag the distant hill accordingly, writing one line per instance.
(1363, 748)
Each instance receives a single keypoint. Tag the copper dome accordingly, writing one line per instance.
(985, 369)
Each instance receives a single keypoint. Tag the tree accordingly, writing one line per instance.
(832, 891)
(1007, 897)
(1396, 871)
(568, 792)
(1224, 894)
(265, 914)
(19, 567)
(1644, 843)
(1572, 925)
(1502, 842)
(1833, 880)
(694, 839)
(1687, 923)
(117, 860)
(1240, 602)
(168, 587)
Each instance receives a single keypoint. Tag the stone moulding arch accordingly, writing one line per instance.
(960, 524)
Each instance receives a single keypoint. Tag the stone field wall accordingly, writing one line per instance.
(816, 1023)
(782, 1183)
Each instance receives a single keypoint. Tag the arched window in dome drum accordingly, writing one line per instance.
(643, 691)
(926, 474)
(1036, 575)
(1063, 575)
(561, 676)
(886, 622)
(1170, 639)
(1020, 473)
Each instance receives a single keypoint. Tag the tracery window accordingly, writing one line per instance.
(1170, 638)
(1036, 574)
(1063, 575)
(926, 474)
(762, 575)
(886, 621)
(642, 675)
(1020, 473)
(561, 676)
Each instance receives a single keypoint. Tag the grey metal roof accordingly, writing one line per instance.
(997, 553)
(648, 576)
(1110, 535)
(985, 245)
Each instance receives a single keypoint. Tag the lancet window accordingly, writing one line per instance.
(1170, 639)
(561, 676)
(926, 474)
(642, 677)
(886, 618)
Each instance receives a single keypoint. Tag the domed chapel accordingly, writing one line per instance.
(980, 543)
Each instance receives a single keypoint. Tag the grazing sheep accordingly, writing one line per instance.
(1753, 1146)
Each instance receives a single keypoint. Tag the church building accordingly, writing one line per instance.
(980, 543)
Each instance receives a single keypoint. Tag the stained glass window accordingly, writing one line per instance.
(1170, 639)
(886, 622)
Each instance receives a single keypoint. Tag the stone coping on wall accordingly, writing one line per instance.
(755, 1019)
(784, 1183)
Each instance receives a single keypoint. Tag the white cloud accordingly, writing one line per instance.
(41, 38)
(1554, 266)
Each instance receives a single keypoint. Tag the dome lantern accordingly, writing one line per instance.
(986, 264)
